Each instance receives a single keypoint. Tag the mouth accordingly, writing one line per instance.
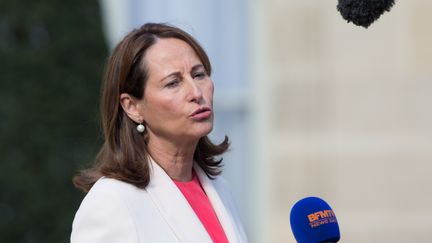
(201, 113)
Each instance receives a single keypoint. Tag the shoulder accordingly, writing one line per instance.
(104, 213)
(222, 186)
(108, 192)
(223, 189)
(111, 186)
(216, 183)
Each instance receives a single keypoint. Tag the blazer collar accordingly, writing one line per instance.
(177, 212)
(221, 210)
(174, 207)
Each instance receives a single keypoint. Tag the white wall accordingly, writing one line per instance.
(343, 113)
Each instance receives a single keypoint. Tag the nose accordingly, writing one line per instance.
(195, 92)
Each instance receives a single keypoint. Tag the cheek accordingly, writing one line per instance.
(157, 107)
(210, 90)
(165, 107)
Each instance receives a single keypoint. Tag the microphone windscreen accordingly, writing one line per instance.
(363, 12)
(313, 220)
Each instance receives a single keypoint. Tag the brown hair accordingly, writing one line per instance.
(124, 155)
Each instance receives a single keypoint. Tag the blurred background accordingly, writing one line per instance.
(314, 106)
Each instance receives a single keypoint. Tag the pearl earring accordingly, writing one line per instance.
(140, 128)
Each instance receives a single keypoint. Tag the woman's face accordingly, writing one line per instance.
(178, 97)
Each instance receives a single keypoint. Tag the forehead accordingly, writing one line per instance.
(170, 50)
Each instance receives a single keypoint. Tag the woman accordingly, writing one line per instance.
(156, 176)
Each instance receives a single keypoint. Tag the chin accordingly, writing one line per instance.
(204, 131)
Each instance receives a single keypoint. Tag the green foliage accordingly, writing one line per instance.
(51, 59)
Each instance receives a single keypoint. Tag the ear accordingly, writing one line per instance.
(131, 107)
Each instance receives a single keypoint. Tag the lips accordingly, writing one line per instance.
(201, 113)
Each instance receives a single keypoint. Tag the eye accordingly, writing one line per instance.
(173, 83)
(200, 75)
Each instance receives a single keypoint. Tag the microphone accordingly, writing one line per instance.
(313, 220)
(363, 12)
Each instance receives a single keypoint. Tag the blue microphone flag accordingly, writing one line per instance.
(313, 221)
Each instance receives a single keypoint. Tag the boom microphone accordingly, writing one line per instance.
(363, 12)
(313, 221)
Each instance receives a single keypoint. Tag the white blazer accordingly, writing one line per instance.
(117, 212)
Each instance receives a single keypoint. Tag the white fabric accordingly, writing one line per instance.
(118, 212)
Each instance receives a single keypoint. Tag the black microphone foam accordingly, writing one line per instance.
(363, 12)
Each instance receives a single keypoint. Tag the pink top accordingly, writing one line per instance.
(195, 195)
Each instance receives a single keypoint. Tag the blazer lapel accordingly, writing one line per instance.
(174, 207)
(219, 207)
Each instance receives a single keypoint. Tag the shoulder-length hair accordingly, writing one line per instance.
(124, 154)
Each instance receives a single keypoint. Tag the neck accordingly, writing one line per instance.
(175, 159)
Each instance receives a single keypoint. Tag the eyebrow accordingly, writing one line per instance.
(177, 73)
(198, 66)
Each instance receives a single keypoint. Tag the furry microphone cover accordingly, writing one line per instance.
(363, 12)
